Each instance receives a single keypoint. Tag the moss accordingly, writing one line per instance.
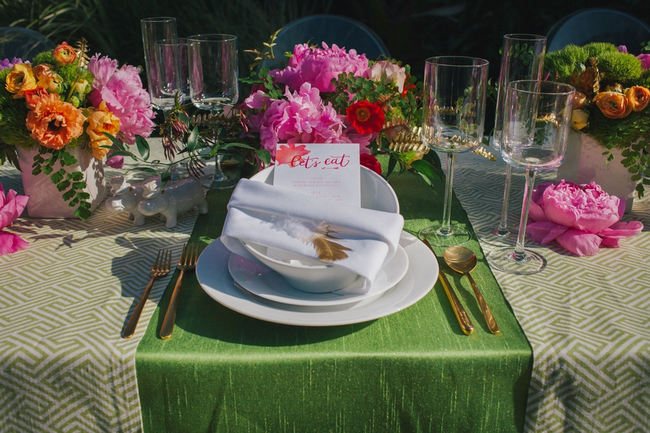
(620, 67)
(562, 63)
(596, 49)
(44, 57)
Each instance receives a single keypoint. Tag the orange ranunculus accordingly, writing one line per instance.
(53, 123)
(64, 54)
(47, 78)
(366, 117)
(101, 120)
(638, 97)
(20, 79)
(613, 105)
(32, 96)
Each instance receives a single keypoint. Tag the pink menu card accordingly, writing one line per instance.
(328, 171)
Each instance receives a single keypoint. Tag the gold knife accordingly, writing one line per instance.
(464, 321)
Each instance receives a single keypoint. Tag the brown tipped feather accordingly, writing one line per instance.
(328, 250)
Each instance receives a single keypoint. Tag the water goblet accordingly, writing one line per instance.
(522, 59)
(155, 29)
(213, 75)
(454, 116)
(537, 117)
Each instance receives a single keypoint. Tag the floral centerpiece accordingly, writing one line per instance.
(330, 94)
(611, 102)
(61, 105)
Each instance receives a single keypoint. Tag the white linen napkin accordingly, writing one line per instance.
(283, 218)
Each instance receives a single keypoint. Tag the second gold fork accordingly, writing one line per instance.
(186, 262)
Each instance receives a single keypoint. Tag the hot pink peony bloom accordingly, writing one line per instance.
(301, 118)
(11, 206)
(318, 66)
(122, 91)
(645, 60)
(581, 218)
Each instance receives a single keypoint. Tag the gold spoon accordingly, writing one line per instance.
(463, 260)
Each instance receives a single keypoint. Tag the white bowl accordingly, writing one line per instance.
(311, 275)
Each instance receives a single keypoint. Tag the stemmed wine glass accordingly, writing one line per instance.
(454, 115)
(536, 121)
(522, 59)
(169, 73)
(213, 75)
(156, 29)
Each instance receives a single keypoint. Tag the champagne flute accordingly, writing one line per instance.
(536, 121)
(454, 116)
(168, 73)
(213, 75)
(156, 29)
(522, 59)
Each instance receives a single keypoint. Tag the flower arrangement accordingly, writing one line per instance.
(580, 218)
(62, 100)
(611, 102)
(329, 94)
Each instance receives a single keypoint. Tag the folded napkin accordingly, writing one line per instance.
(282, 218)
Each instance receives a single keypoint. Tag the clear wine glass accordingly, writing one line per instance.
(213, 76)
(454, 116)
(156, 29)
(169, 73)
(522, 58)
(537, 117)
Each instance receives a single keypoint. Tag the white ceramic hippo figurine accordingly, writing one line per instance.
(175, 198)
(126, 196)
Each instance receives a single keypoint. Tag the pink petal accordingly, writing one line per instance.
(623, 229)
(535, 212)
(10, 243)
(611, 242)
(115, 161)
(579, 243)
(544, 232)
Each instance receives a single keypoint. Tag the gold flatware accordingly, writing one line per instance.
(161, 267)
(464, 321)
(463, 260)
(186, 262)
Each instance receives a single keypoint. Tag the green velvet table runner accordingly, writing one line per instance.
(413, 371)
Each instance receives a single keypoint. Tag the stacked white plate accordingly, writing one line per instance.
(256, 290)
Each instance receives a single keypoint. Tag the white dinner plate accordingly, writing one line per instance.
(262, 281)
(212, 274)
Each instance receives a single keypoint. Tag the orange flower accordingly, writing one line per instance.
(638, 97)
(20, 79)
(64, 54)
(32, 96)
(366, 117)
(53, 123)
(47, 78)
(613, 105)
(101, 120)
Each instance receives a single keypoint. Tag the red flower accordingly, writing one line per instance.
(407, 86)
(366, 117)
(369, 161)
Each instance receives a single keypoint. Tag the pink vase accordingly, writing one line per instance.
(45, 200)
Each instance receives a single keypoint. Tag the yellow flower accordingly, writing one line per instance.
(47, 78)
(20, 79)
(101, 120)
(64, 54)
(579, 119)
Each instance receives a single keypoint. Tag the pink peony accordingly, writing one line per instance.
(318, 66)
(11, 206)
(122, 91)
(581, 218)
(645, 60)
(301, 118)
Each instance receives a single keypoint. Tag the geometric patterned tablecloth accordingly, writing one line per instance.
(63, 361)
(587, 318)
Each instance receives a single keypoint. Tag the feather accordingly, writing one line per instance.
(326, 248)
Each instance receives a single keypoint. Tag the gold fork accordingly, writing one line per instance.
(186, 262)
(161, 267)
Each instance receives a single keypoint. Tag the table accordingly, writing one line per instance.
(65, 368)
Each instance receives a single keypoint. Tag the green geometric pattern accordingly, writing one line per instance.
(64, 365)
(587, 318)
